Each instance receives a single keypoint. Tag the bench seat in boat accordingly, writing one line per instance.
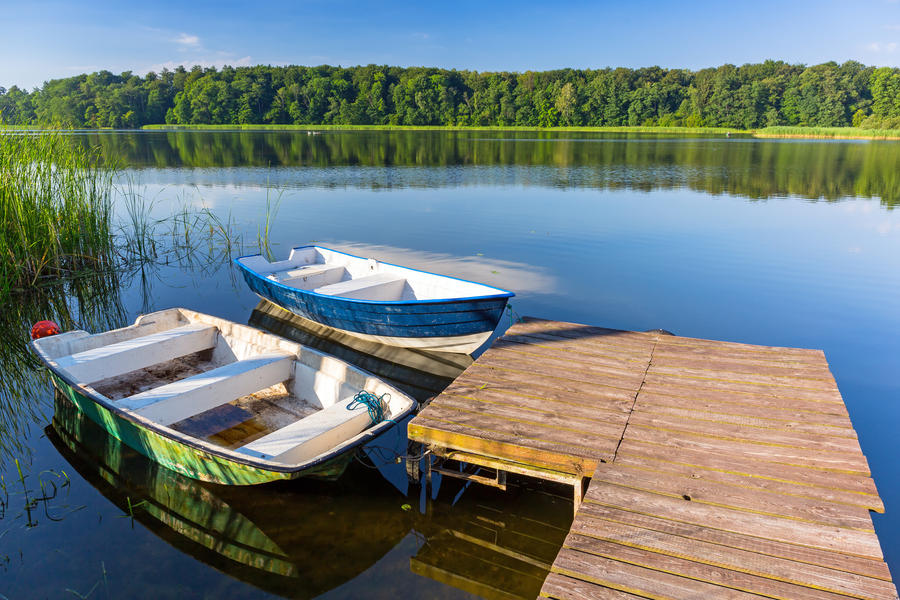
(312, 435)
(380, 286)
(137, 353)
(191, 396)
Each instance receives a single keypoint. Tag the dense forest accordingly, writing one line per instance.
(749, 96)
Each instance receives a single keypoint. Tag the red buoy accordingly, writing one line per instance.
(44, 329)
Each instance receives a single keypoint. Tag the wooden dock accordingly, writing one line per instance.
(717, 470)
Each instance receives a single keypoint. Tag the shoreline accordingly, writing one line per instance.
(813, 133)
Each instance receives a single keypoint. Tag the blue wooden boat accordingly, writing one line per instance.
(379, 301)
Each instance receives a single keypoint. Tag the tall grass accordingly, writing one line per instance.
(55, 210)
(829, 133)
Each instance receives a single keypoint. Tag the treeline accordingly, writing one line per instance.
(750, 96)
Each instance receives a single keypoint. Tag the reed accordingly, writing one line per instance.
(829, 133)
(55, 210)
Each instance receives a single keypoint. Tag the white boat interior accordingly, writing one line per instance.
(332, 273)
(225, 384)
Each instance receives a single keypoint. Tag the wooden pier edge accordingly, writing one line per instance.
(716, 469)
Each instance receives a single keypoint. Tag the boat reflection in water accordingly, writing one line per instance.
(420, 373)
(297, 539)
(302, 538)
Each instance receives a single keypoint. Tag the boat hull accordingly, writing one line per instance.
(188, 460)
(459, 325)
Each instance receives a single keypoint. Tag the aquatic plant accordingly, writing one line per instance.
(55, 210)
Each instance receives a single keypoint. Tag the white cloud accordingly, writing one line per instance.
(186, 39)
(882, 47)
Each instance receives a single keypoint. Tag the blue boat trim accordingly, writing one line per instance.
(502, 293)
(432, 318)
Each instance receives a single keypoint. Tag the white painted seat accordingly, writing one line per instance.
(312, 435)
(312, 274)
(380, 286)
(137, 353)
(191, 396)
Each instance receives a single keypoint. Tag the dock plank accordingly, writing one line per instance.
(718, 469)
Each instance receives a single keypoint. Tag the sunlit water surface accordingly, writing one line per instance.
(781, 243)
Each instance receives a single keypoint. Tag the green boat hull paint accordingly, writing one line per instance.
(187, 460)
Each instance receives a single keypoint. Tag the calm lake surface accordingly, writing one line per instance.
(784, 243)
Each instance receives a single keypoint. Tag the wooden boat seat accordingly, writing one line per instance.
(316, 273)
(191, 396)
(137, 353)
(312, 435)
(380, 286)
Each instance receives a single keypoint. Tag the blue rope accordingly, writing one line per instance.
(374, 404)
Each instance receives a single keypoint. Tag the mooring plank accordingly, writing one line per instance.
(731, 470)
(741, 414)
(558, 430)
(819, 492)
(638, 580)
(702, 490)
(722, 577)
(716, 555)
(528, 408)
(741, 432)
(850, 541)
(562, 587)
(661, 456)
(558, 457)
(689, 392)
(678, 440)
(763, 547)
(557, 389)
(691, 383)
(538, 367)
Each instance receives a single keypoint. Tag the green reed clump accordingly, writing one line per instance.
(55, 210)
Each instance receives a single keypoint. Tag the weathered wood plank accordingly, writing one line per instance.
(703, 490)
(661, 456)
(688, 391)
(678, 341)
(584, 429)
(756, 437)
(746, 377)
(578, 413)
(557, 389)
(788, 455)
(784, 417)
(566, 458)
(832, 560)
(635, 579)
(562, 370)
(813, 493)
(575, 350)
(798, 573)
(561, 587)
(709, 384)
(723, 577)
(741, 432)
(849, 541)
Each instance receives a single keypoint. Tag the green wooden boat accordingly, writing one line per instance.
(222, 402)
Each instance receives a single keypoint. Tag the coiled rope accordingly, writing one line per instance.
(376, 405)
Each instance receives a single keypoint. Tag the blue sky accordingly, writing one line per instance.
(46, 40)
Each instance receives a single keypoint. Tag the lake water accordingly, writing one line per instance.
(774, 242)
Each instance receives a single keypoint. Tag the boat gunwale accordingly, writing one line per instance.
(224, 453)
(503, 293)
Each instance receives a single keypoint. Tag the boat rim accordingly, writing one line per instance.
(503, 293)
(237, 457)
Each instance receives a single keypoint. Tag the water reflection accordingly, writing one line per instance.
(91, 302)
(757, 169)
(297, 541)
(494, 544)
(419, 373)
